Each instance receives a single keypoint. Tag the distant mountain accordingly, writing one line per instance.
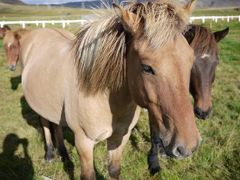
(216, 3)
(17, 2)
(200, 3)
(89, 4)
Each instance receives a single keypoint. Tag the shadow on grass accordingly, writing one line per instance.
(134, 139)
(98, 175)
(13, 166)
(33, 119)
(15, 81)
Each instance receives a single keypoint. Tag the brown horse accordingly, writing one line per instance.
(3, 31)
(204, 44)
(16, 50)
(12, 46)
(96, 82)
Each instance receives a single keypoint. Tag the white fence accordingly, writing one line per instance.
(214, 18)
(42, 22)
(81, 22)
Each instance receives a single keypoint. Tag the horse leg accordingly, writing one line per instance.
(49, 148)
(153, 161)
(85, 148)
(115, 145)
(60, 142)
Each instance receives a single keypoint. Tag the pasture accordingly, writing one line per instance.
(21, 142)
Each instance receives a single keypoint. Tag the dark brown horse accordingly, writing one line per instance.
(204, 44)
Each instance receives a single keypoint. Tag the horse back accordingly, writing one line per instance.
(44, 76)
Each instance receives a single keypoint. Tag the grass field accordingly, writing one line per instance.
(21, 143)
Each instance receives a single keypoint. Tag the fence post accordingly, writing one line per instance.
(43, 24)
(63, 24)
(37, 23)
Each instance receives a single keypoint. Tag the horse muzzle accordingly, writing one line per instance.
(200, 114)
(178, 151)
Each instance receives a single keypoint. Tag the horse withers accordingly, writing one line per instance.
(115, 64)
(204, 44)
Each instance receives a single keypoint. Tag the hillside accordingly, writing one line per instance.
(31, 12)
(200, 3)
(217, 3)
(98, 3)
(18, 2)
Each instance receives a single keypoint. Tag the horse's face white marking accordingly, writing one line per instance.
(205, 56)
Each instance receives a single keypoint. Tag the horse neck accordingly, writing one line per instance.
(121, 101)
(123, 94)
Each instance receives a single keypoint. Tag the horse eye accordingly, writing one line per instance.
(147, 69)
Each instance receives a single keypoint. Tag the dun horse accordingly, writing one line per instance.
(204, 44)
(17, 44)
(96, 82)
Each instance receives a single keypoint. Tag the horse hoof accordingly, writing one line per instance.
(154, 169)
(49, 157)
(153, 164)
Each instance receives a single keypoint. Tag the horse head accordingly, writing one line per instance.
(204, 43)
(159, 62)
(11, 46)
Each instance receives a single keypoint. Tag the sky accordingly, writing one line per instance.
(51, 1)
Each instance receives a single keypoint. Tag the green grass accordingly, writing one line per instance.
(217, 158)
(217, 12)
(13, 12)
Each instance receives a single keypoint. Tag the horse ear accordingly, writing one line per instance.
(190, 6)
(127, 18)
(186, 11)
(219, 35)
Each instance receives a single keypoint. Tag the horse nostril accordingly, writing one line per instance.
(179, 151)
(197, 111)
(201, 114)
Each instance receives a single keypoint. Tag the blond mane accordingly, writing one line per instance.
(100, 46)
